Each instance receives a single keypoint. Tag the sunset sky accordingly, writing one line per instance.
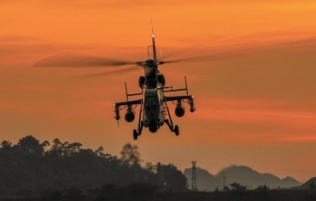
(255, 95)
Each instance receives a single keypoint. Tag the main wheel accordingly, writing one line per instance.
(135, 134)
(176, 130)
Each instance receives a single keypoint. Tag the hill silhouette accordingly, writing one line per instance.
(310, 184)
(240, 174)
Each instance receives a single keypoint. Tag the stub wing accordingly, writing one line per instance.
(174, 98)
(179, 99)
(132, 102)
(126, 104)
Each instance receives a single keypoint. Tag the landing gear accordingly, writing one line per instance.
(135, 134)
(139, 130)
(169, 122)
(172, 128)
(176, 130)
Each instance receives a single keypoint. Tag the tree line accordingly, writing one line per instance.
(31, 166)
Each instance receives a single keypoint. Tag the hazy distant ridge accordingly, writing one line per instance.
(240, 174)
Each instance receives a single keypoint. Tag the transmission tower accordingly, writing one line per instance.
(194, 176)
(224, 180)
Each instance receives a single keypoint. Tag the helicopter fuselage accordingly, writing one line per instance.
(153, 107)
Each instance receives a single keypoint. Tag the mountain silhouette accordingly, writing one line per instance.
(310, 184)
(241, 174)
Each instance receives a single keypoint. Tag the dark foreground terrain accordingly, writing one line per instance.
(63, 171)
(115, 194)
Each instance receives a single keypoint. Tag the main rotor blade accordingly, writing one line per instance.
(172, 54)
(114, 72)
(63, 60)
(209, 57)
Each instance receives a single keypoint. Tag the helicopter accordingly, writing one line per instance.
(154, 111)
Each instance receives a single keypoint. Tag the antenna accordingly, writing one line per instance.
(126, 91)
(153, 40)
(152, 26)
(186, 85)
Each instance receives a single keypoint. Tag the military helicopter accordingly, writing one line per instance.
(154, 111)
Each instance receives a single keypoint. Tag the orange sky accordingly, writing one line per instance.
(255, 102)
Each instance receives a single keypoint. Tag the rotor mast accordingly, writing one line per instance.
(153, 41)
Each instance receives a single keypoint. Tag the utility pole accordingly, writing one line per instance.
(194, 176)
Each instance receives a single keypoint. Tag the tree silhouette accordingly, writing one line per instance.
(32, 145)
(34, 166)
(6, 144)
(262, 188)
(238, 187)
(130, 155)
(171, 179)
